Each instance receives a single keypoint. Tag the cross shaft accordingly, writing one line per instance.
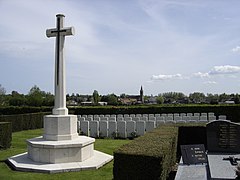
(60, 91)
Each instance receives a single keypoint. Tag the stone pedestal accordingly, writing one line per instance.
(44, 151)
(60, 127)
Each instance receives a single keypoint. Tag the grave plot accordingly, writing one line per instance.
(223, 154)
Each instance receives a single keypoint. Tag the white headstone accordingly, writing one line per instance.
(84, 127)
(94, 128)
(112, 128)
(140, 128)
(150, 125)
(130, 128)
(121, 129)
(103, 128)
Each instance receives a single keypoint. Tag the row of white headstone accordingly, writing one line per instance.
(149, 115)
(127, 126)
(113, 129)
(165, 117)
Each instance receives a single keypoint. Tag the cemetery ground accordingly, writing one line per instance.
(19, 146)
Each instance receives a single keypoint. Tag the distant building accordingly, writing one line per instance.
(141, 95)
(133, 99)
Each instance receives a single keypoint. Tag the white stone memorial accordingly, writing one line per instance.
(121, 129)
(60, 149)
(103, 128)
(140, 128)
(130, 127)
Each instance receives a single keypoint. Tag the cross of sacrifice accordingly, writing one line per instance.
(60, 90)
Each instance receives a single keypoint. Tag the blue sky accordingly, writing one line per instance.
(164, 45)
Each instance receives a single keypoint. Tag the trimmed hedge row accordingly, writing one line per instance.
(22, 122)
(231, 111)
(153, 155)
(5, 135)
(10, 110)
(148, 157)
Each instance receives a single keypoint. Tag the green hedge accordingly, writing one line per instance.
(148, 157)
(10, 110)
(5, 135)
(22, 122)
(231, 111)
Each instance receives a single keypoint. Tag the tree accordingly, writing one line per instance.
(2, 90)
(2, 95)
(160, 99)
(212, 99)
(237, 99)
(96, 97)
(112, 99)
(17, 99)
(35, 96)
(171, 97)
(197, 97)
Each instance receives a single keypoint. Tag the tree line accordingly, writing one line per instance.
(37, 97)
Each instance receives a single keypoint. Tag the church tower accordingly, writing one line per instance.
(141, 95)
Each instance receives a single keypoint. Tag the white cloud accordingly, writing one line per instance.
(210, 82)
(201, 75)
(236, 49)
(227, 69)
(167, 77)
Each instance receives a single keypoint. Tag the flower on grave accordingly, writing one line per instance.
(237, 170)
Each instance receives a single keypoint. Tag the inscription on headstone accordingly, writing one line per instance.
(193, 154)
(223, 136)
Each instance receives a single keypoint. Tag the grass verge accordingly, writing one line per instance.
(19, 146)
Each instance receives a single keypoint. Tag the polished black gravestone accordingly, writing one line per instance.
(223, 142)
(193, 163)
(193, 154)
(223, 136)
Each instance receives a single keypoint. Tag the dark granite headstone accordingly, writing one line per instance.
(223, 136)
(193, 154)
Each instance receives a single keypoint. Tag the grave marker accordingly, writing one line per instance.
(193, 154)
(223, 136)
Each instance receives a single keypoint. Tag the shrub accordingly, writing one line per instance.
(5, 135)
(22, 122)
(148, 157)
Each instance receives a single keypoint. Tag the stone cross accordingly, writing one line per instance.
(60, 90)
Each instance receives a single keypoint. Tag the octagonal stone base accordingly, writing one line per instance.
(21, 162)
(59, 156)
(77, 150)
(60, 127)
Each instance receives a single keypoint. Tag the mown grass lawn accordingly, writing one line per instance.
(19, 146)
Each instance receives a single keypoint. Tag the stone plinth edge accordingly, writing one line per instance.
(45, 151)
(21, 162)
